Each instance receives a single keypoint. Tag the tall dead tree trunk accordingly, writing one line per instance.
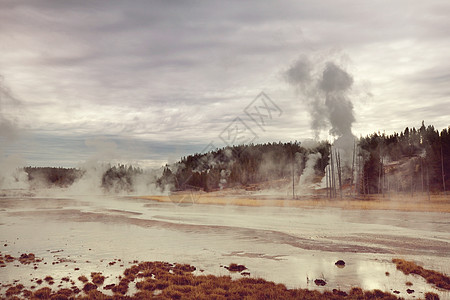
(293, 180)
(379, 171)
(326, 179)
(428, 184)
(412, 182)
(333, 183)
(339, 170)
(358, 175)
(353, 164)
(442, 168)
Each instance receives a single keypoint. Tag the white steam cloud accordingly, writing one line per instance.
(324, 87)
(11, 175)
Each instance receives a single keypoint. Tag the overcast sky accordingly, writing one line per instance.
(150, 81)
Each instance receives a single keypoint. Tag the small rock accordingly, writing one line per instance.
(320, 282)
(235, 268)
(340, 263)
(410, 291)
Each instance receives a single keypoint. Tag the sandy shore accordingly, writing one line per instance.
(417, 203)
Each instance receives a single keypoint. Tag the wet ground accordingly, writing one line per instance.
(78, 235)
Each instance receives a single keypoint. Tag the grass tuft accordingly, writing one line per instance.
(433, 277)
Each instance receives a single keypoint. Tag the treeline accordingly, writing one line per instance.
(415, 160)
(121, 178)
(242, 165)
(52, 177)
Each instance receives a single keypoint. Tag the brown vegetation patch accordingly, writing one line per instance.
(63, 294)
(24, 259)
(14, 290)
(97, 278)
(431, 296)
(436, 278)
(43, 293)
(49, 280)
(109, 286)
(83, 279)
(339, 293)
(89, 287)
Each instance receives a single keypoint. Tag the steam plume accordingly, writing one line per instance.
(324, 88)
(8, 127)
(10, 174)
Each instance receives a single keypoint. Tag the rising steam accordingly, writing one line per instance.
(324, 88)
(11, 175)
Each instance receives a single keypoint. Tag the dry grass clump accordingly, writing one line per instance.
(83, 279)
(49, 279)
(43, 293)
(436, 278)
(97, 278)
(89, 287)
(24, 259)
(431, 296)
(14, 290)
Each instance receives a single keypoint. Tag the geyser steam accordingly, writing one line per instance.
(10, 174)
(324, 88)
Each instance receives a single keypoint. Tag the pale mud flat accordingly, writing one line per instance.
(290, 245)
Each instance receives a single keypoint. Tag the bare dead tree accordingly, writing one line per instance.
(353, 163)
(333, 184)
(326, 179)
(412, 180)
(421, 169)
(338, 167)
(428, 184)
(379, 170)
(293, 174)
(358, 175)
(442, 168)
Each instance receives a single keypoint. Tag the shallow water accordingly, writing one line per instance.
(293, 246)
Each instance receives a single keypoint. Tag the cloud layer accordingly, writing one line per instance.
(174, 75)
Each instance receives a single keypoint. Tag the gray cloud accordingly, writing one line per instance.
(168, 72)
